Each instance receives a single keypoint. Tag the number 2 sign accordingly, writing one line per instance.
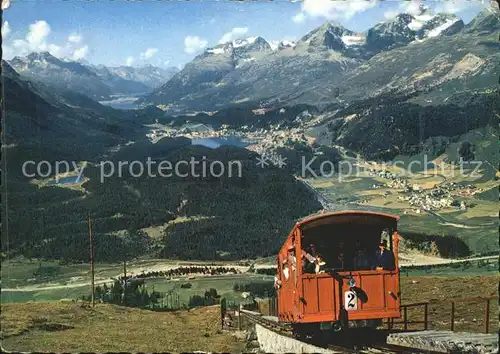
(350, 301)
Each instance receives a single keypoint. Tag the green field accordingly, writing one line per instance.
(18, 273)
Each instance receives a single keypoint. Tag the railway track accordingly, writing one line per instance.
(285, 330)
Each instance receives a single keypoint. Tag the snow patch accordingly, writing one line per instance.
(243, 42)
(437, 31)
(286, 43)
(415, 25)
(424, 18)
(352, 40)
(216, 51)
(419, 21)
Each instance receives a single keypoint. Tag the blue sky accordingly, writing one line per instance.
(170, 33)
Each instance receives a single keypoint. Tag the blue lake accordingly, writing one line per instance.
(215, 142)
(67, 180)
(122, 105)
(122, 102)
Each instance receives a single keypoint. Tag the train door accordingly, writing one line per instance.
(287, 266)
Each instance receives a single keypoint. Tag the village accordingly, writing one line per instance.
(442, 196)
(263, 139)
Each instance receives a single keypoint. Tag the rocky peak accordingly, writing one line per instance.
(328, 36)
(487, 21)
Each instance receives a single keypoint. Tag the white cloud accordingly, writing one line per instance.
(458, 5)
(413, 7)
(55, 50)
(129, 61)
(299, 18)
(166, 62)
(332, 10)
(5, 29)
(391, 14)
(38, 33)
(36, 40)
(418, 7)
(149, 53)
(74, 38)
(81, 53)
(5, 4)
(194, 44)
(236, 33)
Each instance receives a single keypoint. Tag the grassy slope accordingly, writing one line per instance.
(113, 328)
(469, 316)
(109, 328)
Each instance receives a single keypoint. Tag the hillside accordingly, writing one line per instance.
(50, 221)
(69, 327)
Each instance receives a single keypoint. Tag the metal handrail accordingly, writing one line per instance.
(406, 322)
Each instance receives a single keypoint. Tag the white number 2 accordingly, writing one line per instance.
(350, 301)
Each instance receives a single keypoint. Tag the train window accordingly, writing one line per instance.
(346, 247)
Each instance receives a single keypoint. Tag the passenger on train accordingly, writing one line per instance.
(384, 258)
(309, 259)
(340, 261)
(312, 250)
(318, 269)
(293, 259)
(277, 281)
(360, 260)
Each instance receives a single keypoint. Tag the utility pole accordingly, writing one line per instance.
(125, 281)
(91, 262)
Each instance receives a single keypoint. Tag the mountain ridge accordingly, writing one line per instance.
(325, 57)
(98, 82)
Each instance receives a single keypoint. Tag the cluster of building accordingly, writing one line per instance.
(440, 197)
(428, 203)
(465, 190)
(395, 180)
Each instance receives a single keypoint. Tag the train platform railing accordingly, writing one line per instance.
(420, 312)
(425, 320)
(406, 322)
(487, 309)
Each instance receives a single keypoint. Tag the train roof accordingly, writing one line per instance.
(348, 216)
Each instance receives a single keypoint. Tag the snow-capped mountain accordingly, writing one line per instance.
(241, 48)
(96, 81)
(147, 75)
(327, 37)
(441, 24)
(319, 63)
(68, 75)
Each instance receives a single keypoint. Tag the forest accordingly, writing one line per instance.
(220, 217)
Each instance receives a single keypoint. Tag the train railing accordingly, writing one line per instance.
(270, 307)
(486, 300)
(406, 322)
